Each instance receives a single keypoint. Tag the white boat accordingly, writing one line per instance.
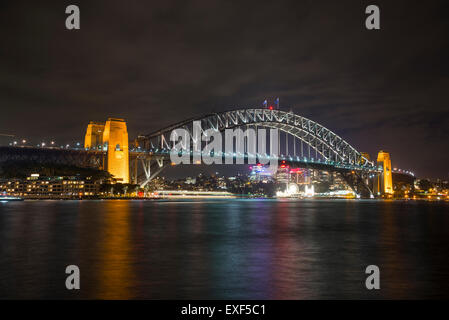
(4, 197)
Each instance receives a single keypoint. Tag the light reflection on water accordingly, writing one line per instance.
(217, 249)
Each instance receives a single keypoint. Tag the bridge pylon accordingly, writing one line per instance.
(111, 136)
(384, 182)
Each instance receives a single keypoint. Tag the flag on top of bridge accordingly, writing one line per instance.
(277, 103)
(265, 103)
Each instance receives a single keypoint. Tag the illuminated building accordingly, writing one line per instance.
(50, 187)
(259, 173)
(384, 183)
(318, 176)
(309, 191)
(299, 176)
(283, 174)
(338, 183)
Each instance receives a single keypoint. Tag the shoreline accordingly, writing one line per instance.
(236, 197)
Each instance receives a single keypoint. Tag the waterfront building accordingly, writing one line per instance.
(283, 174)
(260, 173)
(50, 187)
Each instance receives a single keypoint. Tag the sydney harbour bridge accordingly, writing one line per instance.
(302, 143)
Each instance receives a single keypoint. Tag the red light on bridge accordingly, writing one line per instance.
(270, 107)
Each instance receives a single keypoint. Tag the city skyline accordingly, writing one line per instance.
(380, 91)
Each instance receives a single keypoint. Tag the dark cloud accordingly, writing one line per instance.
(155, 63)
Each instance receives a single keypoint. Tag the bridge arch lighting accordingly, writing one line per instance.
(322, 140)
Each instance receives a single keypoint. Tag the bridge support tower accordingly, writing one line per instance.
(384, 182)
(111, 136)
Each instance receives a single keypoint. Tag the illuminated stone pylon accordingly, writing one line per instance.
(94, 135)
(111, 136)
(384, 183)
(115, 140)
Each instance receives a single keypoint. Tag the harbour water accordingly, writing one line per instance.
(224, 249)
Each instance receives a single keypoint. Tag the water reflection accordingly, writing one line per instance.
(115, 278)
(248, 249)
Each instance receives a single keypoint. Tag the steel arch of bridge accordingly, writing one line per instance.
(327, 143)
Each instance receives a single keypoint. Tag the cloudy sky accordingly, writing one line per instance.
(158, 62)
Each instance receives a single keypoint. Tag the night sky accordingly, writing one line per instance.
(158, 62)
